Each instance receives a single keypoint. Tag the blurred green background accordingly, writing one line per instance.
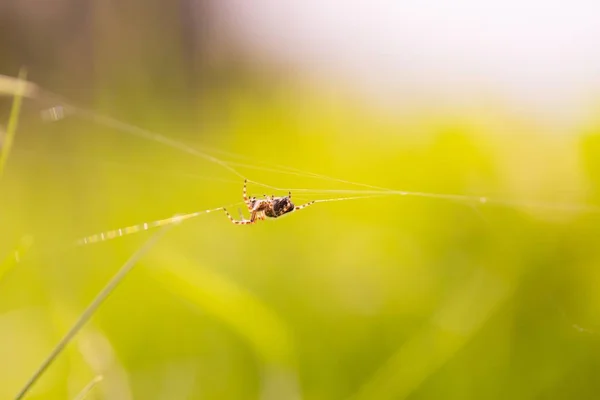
(390, 297)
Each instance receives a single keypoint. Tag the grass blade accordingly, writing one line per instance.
(90, 310)
(84, 392)
(13, 120)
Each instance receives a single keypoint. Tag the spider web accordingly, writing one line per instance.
(233, 164)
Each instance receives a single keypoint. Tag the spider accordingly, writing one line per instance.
(271, 207)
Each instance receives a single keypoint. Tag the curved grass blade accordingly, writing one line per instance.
(87, 389)
(91, 309)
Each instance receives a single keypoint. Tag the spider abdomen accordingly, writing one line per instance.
(280, 206)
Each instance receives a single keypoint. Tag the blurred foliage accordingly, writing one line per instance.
(387, 297)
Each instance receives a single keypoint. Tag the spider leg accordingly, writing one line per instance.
(240, 222)
(246, 200)
(310, 203)
(259, 216)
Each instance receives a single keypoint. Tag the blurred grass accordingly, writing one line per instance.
(387, 297)
(392, 297)
(88, 388)
(11, 129)
(6, 141)
(88, 313)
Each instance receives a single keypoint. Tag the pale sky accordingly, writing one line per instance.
(539, 54)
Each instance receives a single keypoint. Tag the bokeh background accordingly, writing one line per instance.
(391, 297)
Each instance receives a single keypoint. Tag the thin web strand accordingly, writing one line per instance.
(179, 145)
(453, 197)
(146, 226)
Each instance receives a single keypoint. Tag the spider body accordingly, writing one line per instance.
(279, 206)
(270, 206)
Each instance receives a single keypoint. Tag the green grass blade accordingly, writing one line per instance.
(87, 389)
(13, 120)
(90, 310)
